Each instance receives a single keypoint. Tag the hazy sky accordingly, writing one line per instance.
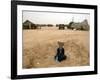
(53, 18)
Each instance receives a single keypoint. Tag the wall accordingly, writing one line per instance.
(5, 30)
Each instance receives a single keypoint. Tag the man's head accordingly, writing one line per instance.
(61, 44)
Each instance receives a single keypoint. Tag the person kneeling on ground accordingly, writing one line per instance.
(60, 56)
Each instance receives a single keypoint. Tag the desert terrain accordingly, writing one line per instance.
(40, 45)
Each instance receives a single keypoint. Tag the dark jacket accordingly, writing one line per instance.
(60, 54)
(60, 51)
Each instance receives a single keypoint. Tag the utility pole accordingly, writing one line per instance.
(72, 19)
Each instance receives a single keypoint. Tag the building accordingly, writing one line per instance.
(29, 25)
(79, 25)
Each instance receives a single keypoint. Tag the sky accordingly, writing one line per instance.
(54, 17)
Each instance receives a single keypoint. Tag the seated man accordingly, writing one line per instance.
(60, 52)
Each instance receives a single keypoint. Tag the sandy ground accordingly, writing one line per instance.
(39, 48)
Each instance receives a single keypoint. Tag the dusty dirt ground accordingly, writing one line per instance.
(39, 48)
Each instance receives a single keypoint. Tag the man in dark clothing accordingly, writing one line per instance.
(60, 52)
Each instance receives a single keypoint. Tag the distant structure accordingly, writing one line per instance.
(50, 25)
(29, 25)
(72, 25)
(79, 25)
(61, 26)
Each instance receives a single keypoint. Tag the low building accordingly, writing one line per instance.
(29, 25)
(79, 25)
(61, 26)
